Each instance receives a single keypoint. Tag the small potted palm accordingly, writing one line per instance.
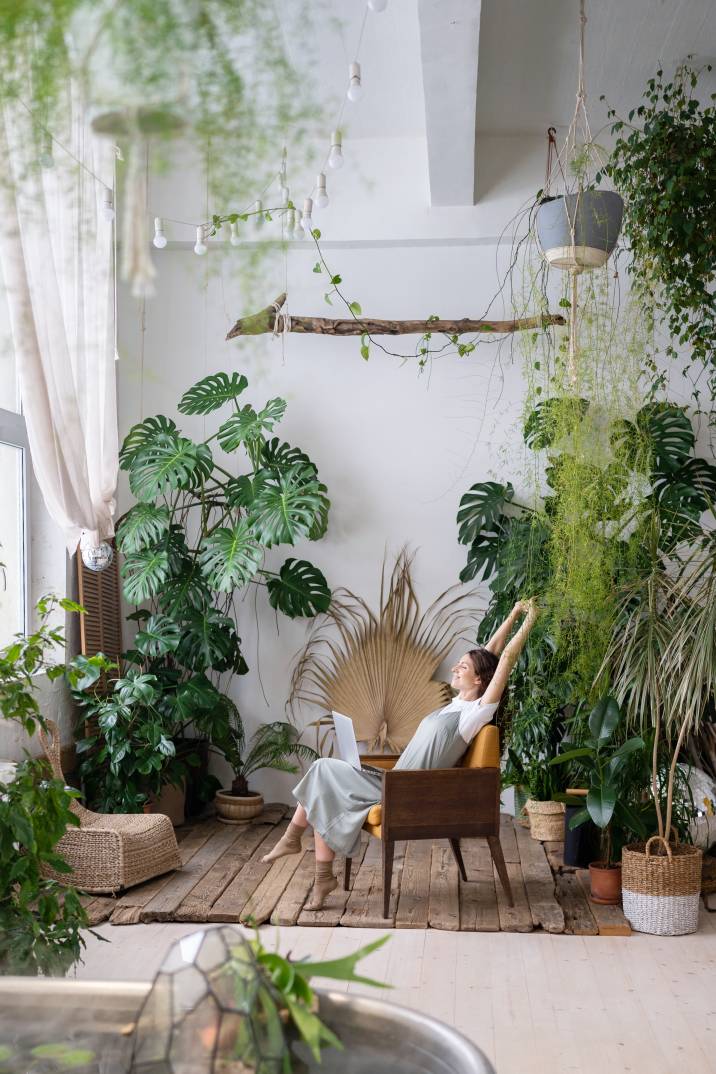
(603, 766)
(274, 745)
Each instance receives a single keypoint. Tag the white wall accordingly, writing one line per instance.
(396, 450)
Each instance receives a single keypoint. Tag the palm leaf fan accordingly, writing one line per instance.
(378, 667)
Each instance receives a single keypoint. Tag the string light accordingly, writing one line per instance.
(335, 157)
(200, 246)
(322, 193)
(107, 204)
(377, 5)
(355, 86)
(160, 239)
(284, 194)
(306, 221)
(234, 236)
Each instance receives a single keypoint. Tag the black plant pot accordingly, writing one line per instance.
(581, 845)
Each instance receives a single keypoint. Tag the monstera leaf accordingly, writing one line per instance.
(276, 455)
(230, 557)
(144, 525)
(209, 640)
(300, 589)
(320, 526)
(549, 417)
(249, 425)
(144, 574)
(481, 507)
(287, 508)
(212, 392)
(482, 557)
(185, 589)
(670, 433)
(159, 636)
(169, 462)
(139, 436)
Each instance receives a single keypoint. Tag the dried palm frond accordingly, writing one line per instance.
(378, 667)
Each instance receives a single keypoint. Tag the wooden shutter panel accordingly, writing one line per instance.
(101, 625)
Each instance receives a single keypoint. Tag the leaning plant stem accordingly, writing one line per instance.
(672, 772)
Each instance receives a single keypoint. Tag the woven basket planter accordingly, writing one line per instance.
(233, 810)
(661, 885)
(546, 820)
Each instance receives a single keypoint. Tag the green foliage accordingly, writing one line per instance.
(602, 763)
(664, 168)
(274, 745)
(212, 392)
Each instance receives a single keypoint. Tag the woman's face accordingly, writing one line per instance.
(464, 677)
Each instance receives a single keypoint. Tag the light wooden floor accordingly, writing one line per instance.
(535, 1003)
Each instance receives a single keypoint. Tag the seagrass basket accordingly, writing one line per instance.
(661, 887)
(546, 819)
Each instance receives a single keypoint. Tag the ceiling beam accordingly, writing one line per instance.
(449, 39)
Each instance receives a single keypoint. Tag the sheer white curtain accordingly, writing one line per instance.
(56, 256)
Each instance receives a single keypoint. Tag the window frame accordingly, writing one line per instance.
(13, 432)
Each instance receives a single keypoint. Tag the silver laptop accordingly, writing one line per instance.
(346, 739)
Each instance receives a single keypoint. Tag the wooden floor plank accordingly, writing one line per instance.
(578, 917)
(539, 883)
(610, 919)
(478, 899)
(517, 918)
(555, 856)
(444, 903)
(412, 910)
(288, 908)
(368, 878)
(100, 909)
(370, 915)
(230, 906)
(333, 911)
(198, 902)
(263, 900)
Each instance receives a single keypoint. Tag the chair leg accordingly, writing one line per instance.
(493, 841)
(347, 874)
(455, 844)
(387, 874)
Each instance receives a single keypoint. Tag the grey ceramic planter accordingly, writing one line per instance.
(579, 231)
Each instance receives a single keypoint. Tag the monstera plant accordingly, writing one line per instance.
(194, 541)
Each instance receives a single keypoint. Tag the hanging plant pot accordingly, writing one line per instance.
(661, 887)
(579, 231)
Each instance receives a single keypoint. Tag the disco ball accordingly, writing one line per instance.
(98, 558)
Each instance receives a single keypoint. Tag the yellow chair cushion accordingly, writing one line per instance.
(375, 815)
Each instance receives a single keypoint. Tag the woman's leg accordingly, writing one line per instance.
(324, 882)
(323, 851)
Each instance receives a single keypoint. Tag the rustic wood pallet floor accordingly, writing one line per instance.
(223, 879)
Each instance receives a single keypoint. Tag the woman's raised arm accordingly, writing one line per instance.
(499, 639)
(510, 654)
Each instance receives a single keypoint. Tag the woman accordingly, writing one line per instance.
(335, 798)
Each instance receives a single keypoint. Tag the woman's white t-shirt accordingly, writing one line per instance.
(473, 716)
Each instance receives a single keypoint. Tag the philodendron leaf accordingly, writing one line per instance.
(600, 804)
(230, 557)
(249, 425)
(299, 590)
(144, 525)
(160, 636)
(144, 573)
(604, 719)
(168, 463)
(287, 507)
(481, 507)
(142, 434)
(212, 392)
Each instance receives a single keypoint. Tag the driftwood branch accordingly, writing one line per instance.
(265, 321)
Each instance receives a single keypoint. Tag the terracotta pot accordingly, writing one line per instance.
(605, 883)
(234, 810)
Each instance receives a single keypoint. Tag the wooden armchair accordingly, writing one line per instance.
(443, 803)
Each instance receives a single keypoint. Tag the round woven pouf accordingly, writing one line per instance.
(661, 885)
(546, 819)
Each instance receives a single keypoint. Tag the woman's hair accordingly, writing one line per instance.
(485, 664)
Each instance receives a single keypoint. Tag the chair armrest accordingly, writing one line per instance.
(444, 798)
(380, 760)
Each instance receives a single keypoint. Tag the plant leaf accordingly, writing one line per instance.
(299, 590)
(248, 425)
(600, 803)
(143, 525)
(160, 636)
(481, 507)
(230, 557)
(142, 434)
(212, 392)
(144, 574)
(168, 463)
(604, 719)
(287, 507)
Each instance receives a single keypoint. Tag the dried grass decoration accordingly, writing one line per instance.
(378, 667)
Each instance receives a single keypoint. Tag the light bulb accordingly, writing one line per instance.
(335, 157)
(160, 239)
(259, 217)
(200, 246)
(322, 193)
(108, 204)
(306, 221)
(284, 194)
(234, 238)
(377, 5)
(355, 88)
(290, 223)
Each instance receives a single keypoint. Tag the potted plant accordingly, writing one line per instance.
(546, 814)
(579, 230)
(272, 746)
(606, 800)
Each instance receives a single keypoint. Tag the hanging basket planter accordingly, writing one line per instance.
(661, 888)
(579, 231)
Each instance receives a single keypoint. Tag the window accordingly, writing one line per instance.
(14, 572)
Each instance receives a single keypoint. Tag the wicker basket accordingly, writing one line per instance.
(661, 887)
(231, 809)
(546, 820)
